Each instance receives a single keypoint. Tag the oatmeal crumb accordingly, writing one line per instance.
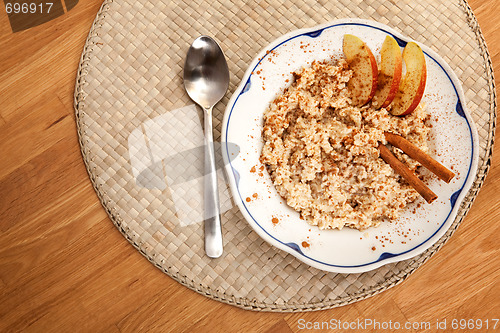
(321, 151)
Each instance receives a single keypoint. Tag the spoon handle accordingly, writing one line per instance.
(213, 231)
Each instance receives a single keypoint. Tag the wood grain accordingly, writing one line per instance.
(64, 266)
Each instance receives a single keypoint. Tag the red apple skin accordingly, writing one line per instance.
(412, 85)
(420, 93)
(362, 62)
(389, 78)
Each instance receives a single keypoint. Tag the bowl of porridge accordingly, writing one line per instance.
(309, 178)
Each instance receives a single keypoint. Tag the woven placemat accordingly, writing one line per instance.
(132, 112)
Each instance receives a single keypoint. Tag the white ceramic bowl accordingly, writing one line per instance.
(454, 143)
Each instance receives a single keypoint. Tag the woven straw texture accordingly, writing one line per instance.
(131, 107)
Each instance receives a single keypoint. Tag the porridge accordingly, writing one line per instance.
(321, 151)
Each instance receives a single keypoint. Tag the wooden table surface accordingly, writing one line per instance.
(65, 267)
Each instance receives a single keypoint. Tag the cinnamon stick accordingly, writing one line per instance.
(402, 170)
(414, 152)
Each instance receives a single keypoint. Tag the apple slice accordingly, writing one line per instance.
(389, 77)
(412, 85)
(363, 83)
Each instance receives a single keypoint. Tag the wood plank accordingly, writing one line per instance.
(43, 286)
(52, 62)
(42, 180)
(166, 300)
(40, 123)
(52, 232)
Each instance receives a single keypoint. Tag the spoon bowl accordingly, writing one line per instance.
(206, 80)
(206, 74)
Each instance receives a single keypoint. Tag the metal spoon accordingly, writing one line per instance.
(206, 79)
